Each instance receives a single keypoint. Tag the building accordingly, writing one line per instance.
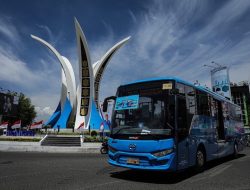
(241, 96)
(8, 105)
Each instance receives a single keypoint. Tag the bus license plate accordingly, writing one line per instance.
(133, 161)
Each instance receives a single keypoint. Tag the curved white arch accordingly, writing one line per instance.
(101, 65)
(95, 66)
(72, 74)
(67, 68)
(84, 95)
(64, 90)
(90, 77)
(56, 115)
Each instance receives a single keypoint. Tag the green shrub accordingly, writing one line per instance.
(21, 139)
(88, 138)
(86, 133)
(93, 133)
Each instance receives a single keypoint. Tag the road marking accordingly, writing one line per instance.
(210, 173)
(219, 171)
(242, 159)
(23, 174)
(197, 179)
(102, 184)
(216, 168)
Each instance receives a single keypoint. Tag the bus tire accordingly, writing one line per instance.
(103, 150)
(200, 159)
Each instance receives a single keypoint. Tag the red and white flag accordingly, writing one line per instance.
(80, 126)
(37, 125)
(4, 125)
(16, 125)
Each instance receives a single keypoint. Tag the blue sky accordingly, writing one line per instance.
(168, 37)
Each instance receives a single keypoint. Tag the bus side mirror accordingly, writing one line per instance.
(182, 133)
(105, 103)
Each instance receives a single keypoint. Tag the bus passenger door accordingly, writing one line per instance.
(182, 134)
(222, 144)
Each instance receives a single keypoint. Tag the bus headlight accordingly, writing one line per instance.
(163, 152)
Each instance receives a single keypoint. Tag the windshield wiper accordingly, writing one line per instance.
(171, 127)
(150, 134)
(129, 127)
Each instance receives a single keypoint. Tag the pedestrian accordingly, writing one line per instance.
(107, 121)
(101, 130)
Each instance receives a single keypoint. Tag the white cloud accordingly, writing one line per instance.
(9, 30)
(47, 29)
(162, 45)
(42, 86)
(44, 111)
(14, 70)
(52, 38)
(40, 82)
(132, 15)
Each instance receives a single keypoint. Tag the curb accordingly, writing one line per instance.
(9, 146)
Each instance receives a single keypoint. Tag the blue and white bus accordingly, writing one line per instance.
(169, 124)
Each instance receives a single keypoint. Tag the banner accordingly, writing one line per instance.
(220, 81)
(16, 125)
(8, 104)
(20, 133)
(127, 102)
(37, 125)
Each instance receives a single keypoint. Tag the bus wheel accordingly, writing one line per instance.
(200, 160)
(236, 151)
(104, 150)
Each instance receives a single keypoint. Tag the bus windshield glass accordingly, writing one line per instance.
(146, 112)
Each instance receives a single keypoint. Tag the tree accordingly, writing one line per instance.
(26, 111)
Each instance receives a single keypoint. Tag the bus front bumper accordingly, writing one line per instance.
(143, 161)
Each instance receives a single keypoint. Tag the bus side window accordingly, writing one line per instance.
(203, 107)
(170, 111)
(182, 118)
(191, 104)
(182, 126)
(222, 113)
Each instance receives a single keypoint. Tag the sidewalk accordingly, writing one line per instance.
(13, 146)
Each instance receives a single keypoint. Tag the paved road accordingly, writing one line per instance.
(90, 171)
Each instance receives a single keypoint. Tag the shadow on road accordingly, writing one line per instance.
(166, 177)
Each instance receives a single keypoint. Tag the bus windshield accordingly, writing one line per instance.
(147, 113)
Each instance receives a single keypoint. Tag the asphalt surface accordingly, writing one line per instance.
(20, 170)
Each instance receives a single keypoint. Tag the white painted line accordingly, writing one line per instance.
(102, 184)
(219, 171)
(209, 173)
(197, 179)
(242, 159)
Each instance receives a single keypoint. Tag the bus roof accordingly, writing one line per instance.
(199, 87)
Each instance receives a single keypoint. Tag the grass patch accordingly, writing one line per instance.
(88, 138)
